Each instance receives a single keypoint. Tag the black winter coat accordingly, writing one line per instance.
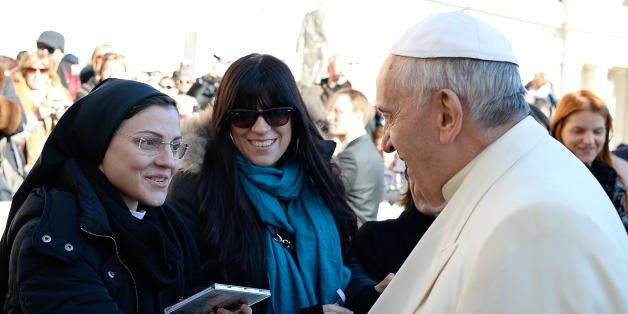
(380, 248)
(64, 257)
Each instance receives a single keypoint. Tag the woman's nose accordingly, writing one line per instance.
(166, 157)
(260, 126)
(589, 138)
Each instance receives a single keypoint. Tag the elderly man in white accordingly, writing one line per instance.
(526, 228)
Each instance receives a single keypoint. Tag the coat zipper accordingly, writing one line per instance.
(115, 245)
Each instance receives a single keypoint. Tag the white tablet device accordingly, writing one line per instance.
(216, 296)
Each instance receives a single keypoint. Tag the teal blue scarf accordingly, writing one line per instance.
(319, 271)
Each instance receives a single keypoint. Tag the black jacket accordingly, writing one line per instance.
(613, 186)
(185, 196)
(64, 257)
(380, 248)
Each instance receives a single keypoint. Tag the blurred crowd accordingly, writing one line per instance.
(39, 85)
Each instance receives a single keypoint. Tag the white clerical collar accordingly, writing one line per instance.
(137, 214)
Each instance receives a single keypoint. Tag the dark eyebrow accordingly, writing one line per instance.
(157, 134)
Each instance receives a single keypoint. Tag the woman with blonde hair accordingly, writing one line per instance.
(43, 98)
(583, 124)
(112, 65)
(93, 68)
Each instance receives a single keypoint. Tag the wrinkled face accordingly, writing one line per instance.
(142, 177)
(341, 117)
(262, 144)
(410, 129)
(37, 76)
(584, 134)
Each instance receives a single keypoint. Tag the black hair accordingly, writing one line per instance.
(232, 234)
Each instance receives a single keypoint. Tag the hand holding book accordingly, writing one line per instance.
(220, 298)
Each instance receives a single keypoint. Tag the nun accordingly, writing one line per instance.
(88, 230)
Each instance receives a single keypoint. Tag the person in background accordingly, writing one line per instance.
(112, 65)
(380, 247)
(525, 227)
(620, 162)
(90, 217)
(184, 66)
(168, 86)
(66, 71)
(11, 124)
(335, 80)
(583, 124)
(395, 183)
(184, 81)
(12, 140)
(54, 44)
(261, 165)
(204, 90)
(93, 68)
(361, 166)
(43, 98)
(204, 87)
(7, 88)
(540, 93)
(188, 105)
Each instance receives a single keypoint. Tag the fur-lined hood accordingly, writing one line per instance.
(196, 132)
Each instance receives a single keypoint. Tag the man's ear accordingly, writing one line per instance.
(360, 115)
(450, 115)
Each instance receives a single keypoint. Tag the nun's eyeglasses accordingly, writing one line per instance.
(152, 145)
(246, 118)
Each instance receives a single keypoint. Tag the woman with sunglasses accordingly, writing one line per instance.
(43, 98)
(261, 196)
(88, 230)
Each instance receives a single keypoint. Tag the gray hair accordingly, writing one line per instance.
(492, 91)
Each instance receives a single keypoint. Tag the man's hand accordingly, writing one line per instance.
(384, 283)
(335, 309)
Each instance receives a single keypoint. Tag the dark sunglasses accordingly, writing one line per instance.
(246, 118)
(47, 48)
(33, 70)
